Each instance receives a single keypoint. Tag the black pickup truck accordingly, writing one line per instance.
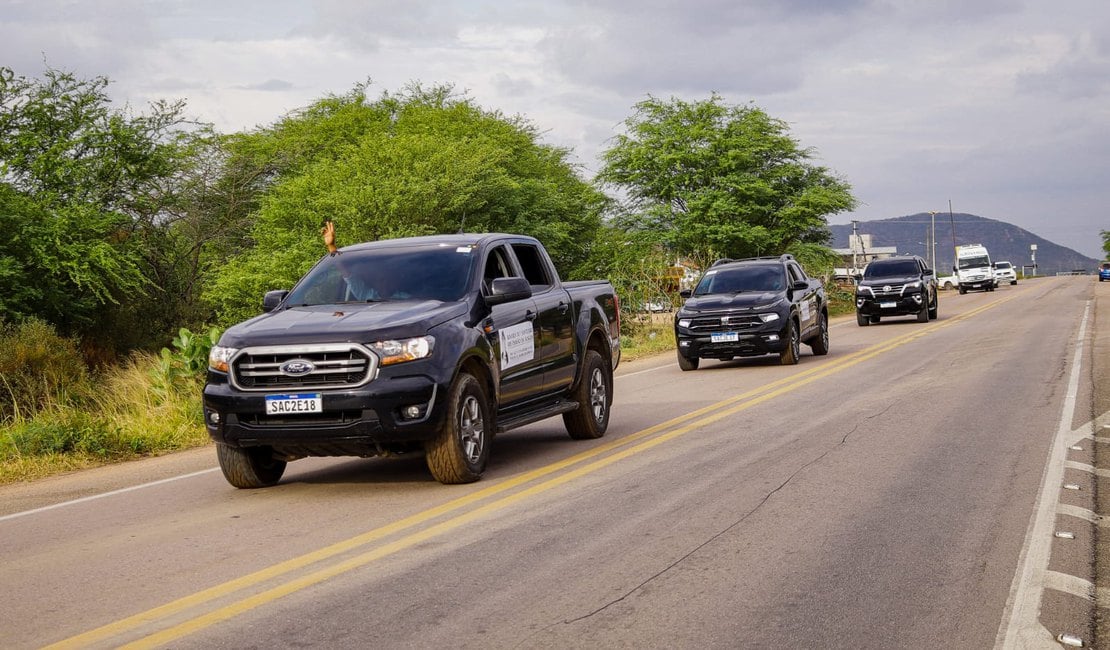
(432, 343)
(752, 307)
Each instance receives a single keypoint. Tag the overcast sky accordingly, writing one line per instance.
(1000, 106)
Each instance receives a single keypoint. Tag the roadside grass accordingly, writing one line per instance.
(645, 335)
(120, 414)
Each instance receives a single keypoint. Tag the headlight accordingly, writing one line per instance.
(861, 290)
(219, 357)
(913, 285)
(684, 322)
(401, 351)
(767, 318)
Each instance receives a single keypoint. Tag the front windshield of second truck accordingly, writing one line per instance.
(974, 262)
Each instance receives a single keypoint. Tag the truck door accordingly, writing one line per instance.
(513, 331)
(556, 317)
(807, 306)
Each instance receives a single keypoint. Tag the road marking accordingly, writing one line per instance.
(1021, 627)
(530, 485)
(94, 497)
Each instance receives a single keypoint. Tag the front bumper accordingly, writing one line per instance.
(890, 306)
(367, 420)
(745, 344)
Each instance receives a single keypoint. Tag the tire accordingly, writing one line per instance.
(862, 320)
(687, 364)
(923, 315)
(249, 467)
(963, 291)
(460, 449)
(820, 344)
(789, 355)
(594, 395)
(1013, 282)
(935, 309)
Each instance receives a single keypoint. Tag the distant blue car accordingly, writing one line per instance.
(1104, 272)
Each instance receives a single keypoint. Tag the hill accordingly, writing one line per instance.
(910, 234)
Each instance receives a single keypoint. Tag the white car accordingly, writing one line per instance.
(947, 282)
(1004, 272)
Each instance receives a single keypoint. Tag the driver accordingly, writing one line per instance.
(356, 283)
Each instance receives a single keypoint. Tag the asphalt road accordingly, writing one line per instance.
(893, 494)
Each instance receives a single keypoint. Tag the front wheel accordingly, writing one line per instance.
(820, 344)
(923, 315)
(935, 309)
(687, 364)
(789, 355)
(459, 451)
(861, 320)
(594, 395)
(249, 467)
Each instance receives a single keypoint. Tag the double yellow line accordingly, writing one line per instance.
(583, 464)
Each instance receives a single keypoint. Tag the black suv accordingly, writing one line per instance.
(751, 307)
(896, 286)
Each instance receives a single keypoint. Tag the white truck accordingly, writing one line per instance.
(973, 268)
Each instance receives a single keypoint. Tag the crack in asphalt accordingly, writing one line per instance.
(709, 541)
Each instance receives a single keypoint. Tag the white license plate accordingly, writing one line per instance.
(888, 305)
(293, 404)
(724, 337)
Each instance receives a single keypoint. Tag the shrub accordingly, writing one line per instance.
(38, 369)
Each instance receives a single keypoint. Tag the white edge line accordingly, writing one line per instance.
(1021, 627)
(93, 497)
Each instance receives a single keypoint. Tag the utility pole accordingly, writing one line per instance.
(933, 237)
(952, 220)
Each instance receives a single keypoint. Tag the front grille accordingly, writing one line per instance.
(895, 290)
(735, 323)
(303, 367)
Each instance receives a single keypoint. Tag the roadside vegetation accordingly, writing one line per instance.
(128, 233)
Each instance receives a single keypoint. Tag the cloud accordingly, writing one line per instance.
(999, 106)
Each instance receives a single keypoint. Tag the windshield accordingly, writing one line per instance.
(897, 268)
(1002, 265)
(974, 262)
(423, 273)
(751, 278)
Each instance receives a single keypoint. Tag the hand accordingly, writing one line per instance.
(328, 232)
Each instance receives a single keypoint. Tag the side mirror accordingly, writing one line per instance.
(800, 285)
(928, 271)
(502, 290)
(686, 293)
(273, 298)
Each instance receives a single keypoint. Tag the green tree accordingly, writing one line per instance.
(418, 162)
(713, 180)
(1106, 242)
(87, 193)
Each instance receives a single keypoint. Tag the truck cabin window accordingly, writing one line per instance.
(385, 274)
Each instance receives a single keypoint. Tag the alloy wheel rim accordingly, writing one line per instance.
(471, 429)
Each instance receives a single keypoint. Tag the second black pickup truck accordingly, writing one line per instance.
(431, 343)
(752, 307)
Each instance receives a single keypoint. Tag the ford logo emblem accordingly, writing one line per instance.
(297, 367)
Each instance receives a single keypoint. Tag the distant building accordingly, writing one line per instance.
(859, 252)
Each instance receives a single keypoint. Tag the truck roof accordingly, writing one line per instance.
(456, 239)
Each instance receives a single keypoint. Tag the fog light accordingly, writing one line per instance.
(772, 337)
(410, 412)
(213, 417)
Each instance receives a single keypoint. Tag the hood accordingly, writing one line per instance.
(747, 300)
(356, 322)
